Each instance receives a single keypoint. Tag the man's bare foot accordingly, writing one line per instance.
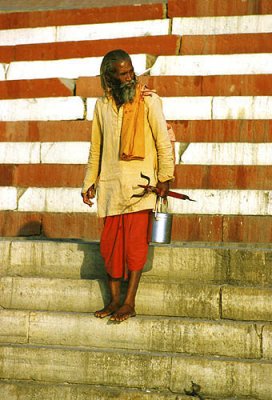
(106, 311)
(123, 313)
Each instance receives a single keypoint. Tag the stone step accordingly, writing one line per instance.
(175, 108)
(153, 45)
(178, 262)
(12, 390)
(199, 301)
(41, 154)
(158, 334)
(168, 299)
(190, 176)
(247, 229)
(166, 86)
(53, 13)
(141, 370)
(210, 131)
(198, 8)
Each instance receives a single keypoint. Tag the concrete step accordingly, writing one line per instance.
(199, 301)
(168, 299)
(192, 8)
(252, 177)
(178, 262)
(210, 131)
(50, 391)
(248, 229)
(141, 370)
(244, 340)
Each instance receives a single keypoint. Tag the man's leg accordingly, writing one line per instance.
(127, 310)
(114, 287)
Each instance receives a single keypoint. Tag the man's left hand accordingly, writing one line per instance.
(163, 188)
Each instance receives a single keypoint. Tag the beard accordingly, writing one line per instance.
(124, 92)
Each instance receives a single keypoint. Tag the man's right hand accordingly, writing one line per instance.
(90, 194)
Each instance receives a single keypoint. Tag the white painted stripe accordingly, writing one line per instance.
(53, 200)
(228, 202)
(19, 153)
(3, 68)
(65, 152)
(70, 68)
(224, 153)
(214, 64)
(73, 33)
(44, 152)
(8, 198)
(206, 107)
(222, 25)
(175, 108)
(195, 153)
(242, 107)
(43, 109)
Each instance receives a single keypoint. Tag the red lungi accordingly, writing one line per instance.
(124, 244)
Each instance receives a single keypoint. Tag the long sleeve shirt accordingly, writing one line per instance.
(115, 180)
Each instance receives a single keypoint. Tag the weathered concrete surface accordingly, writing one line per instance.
(88, 296)
(35, 391)
(178, 262)
(175, 335)
(128, 369)
(219, 378)
(247, 303)
(222, 378)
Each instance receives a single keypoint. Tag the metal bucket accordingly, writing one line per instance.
(160, 225)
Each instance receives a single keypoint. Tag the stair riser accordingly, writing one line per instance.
(172, 263)
(88, 296)
(216, 377)
(142, 334)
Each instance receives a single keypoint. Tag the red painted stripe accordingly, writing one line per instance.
(186, 176)
(226, 44)
(155, 45)
(253, 131)
(30, 19)
(200, 8)
(172, 86)
(23, 89)
(86, 226)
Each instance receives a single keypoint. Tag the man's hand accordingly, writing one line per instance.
(163, 188)
(90, 194)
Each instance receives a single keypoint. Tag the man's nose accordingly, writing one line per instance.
(129, 77)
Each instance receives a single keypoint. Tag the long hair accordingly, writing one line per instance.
(107, 68)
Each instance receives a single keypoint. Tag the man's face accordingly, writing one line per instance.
(125, 87)
(124, 71)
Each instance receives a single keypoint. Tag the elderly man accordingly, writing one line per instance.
(129, 137)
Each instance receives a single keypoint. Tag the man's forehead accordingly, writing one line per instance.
(123, 65)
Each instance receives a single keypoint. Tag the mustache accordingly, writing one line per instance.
(128, 84)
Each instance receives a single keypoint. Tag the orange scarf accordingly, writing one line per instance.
(132, 133)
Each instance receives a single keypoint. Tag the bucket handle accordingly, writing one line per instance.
(160, 202)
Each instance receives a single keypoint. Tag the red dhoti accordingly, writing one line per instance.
(124, 244)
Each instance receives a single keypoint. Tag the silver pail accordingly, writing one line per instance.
(160, 225)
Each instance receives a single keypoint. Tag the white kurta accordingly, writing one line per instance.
(115, 180)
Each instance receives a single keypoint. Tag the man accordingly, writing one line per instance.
(129, 137)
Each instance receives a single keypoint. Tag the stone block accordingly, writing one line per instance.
(215, 8)
(42, 108)
(227, 44)
(218, 64)
(8, 198)
(223, 378)
(108, 12)
(251, 267)
(28, 391)
(20, 152)
(123, 369)
(267, 341)
(247, 303)
(20, 224)
(14, 326)
(65, 152)
(247, 229)
(169, 335)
